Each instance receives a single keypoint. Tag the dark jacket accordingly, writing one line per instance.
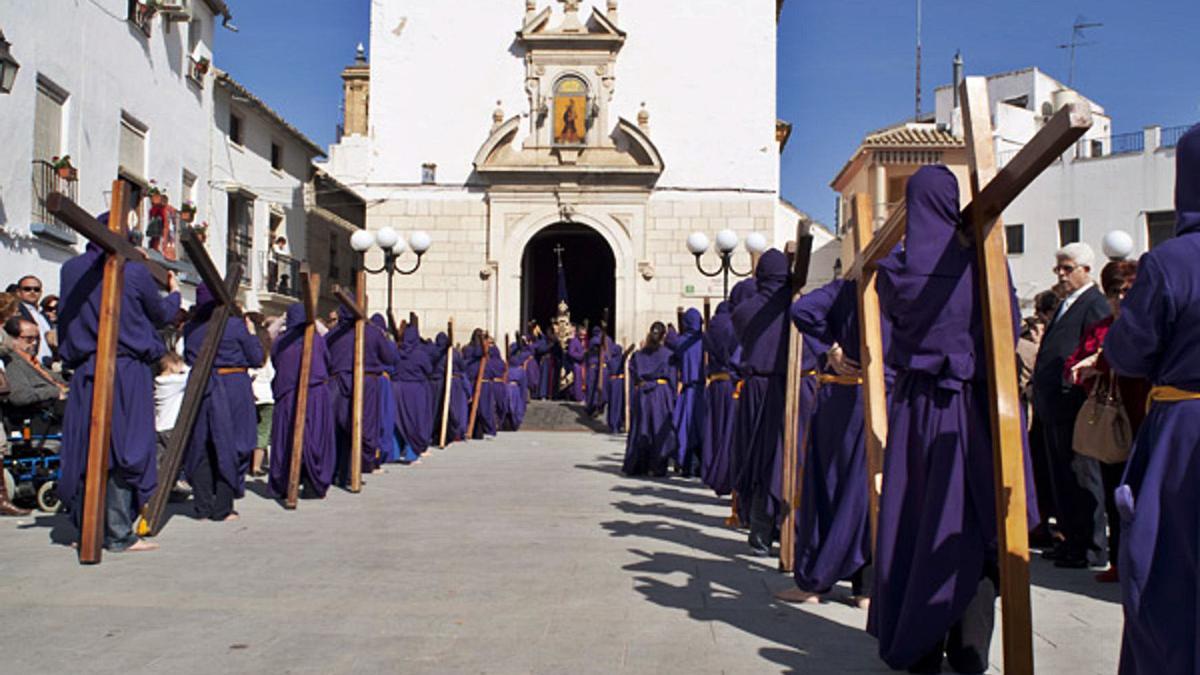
(1054, 399)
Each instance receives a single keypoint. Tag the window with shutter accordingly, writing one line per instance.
(132, 154)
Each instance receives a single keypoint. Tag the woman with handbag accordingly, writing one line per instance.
(1115, 407)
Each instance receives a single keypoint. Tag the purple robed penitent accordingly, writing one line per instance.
(319, 453)
(936, 548)
(389, 444)
(760, 322)
(460, 399)
(494, 379)
(485, 409)
(688, 359)
(720, 343)
(515, 388)
(533, 374)
(576, 351)
(1157, 336)
(615, 387)
(226, 421)
(546, 351)
(833, 534)
(132, 452)
(595, 387)
(414, 413)
(651, 440)
(379, 357)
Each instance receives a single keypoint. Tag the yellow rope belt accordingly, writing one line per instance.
(616, 377)
(719, 377)
(229, 371)
(737, 391)
(1168, 394)
(501, 380)
(847, 380)
(808, 373)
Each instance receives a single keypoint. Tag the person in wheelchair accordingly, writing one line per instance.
(35, 394)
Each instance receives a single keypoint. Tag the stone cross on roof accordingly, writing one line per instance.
(570, 22)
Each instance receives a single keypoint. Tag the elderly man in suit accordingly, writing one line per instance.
(1077, 488)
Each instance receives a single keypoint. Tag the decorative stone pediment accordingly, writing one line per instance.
(570, 81)
(629, 160)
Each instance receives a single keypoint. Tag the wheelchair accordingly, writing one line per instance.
(33, 465)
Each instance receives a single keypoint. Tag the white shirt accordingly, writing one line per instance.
(260, 383)
(43, 328)
(168, 398)
(1070, 300)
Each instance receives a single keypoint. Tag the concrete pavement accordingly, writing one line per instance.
(529, 553)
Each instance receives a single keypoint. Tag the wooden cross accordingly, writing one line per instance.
(117, 250)
(310, 285)
(992, 191)
(478, 388)
(358, 307)
(800, 253)
(224, 293)
(449, 382)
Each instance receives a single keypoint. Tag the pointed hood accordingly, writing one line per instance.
(692, 321)
(772, 272)
(345, 314)
(1187, 182)
(295, 315)
(932, 245)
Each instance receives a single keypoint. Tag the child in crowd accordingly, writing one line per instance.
(169, 385)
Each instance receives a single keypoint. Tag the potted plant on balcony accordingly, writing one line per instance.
(62, 166)
(200, 231)
(187, 212)
(201, 67)
(156, 195)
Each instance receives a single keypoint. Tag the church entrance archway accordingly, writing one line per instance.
(589, 267)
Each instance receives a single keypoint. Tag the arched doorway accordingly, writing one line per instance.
(589, 268)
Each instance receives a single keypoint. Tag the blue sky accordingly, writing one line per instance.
(845, 67)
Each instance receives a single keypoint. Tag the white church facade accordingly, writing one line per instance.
(518, 133)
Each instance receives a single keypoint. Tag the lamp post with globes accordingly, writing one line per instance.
(727, 243)
(393, 246)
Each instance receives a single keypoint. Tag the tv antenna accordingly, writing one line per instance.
(1077, 40)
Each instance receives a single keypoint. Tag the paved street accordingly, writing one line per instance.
(527, 553)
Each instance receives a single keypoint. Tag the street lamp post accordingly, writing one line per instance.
(727, 243)
(8, 66)
(393, 246)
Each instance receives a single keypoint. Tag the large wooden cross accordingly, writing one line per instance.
(117, 250)
(224, 293)
(358, 307)
(310, 284)
(992, 191)
(449, 382)
(478, 388)
(800, 253)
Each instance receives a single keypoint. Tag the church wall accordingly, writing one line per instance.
(704, 68)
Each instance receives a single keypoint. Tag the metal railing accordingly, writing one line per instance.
(1121, 144)
(1171, 135)
(237, 249)
(46, 180)
(281, 273)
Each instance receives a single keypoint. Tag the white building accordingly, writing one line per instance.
(261, 166)
(1106, 182)
(117, 88)
(507, 129)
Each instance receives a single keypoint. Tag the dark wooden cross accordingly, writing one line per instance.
(992, 191)
(117, 250)
(449, 382)
(224, 293)
(800, 254)
(358, 307)
(478, 388)
(310, 285)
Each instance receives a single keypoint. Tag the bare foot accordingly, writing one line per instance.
(232, 517)
(142, 545)
(860, 601)
(798, 596)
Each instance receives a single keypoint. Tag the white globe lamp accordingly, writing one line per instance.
(421, 242)
(400, 246)
(362, 240)
(697, 243)
(1117, 245)
(727, 241)
(386, 237)
(756, 243)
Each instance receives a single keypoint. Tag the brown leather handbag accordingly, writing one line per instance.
(1102, 428)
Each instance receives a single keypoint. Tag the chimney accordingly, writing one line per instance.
(958, 75)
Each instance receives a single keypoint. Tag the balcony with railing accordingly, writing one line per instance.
(281, 274)
(1171, 135)
(48, 179)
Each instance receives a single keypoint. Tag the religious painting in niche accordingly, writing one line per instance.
(570, 111)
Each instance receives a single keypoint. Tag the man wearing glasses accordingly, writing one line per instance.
(1078, 493)
(29, 290)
